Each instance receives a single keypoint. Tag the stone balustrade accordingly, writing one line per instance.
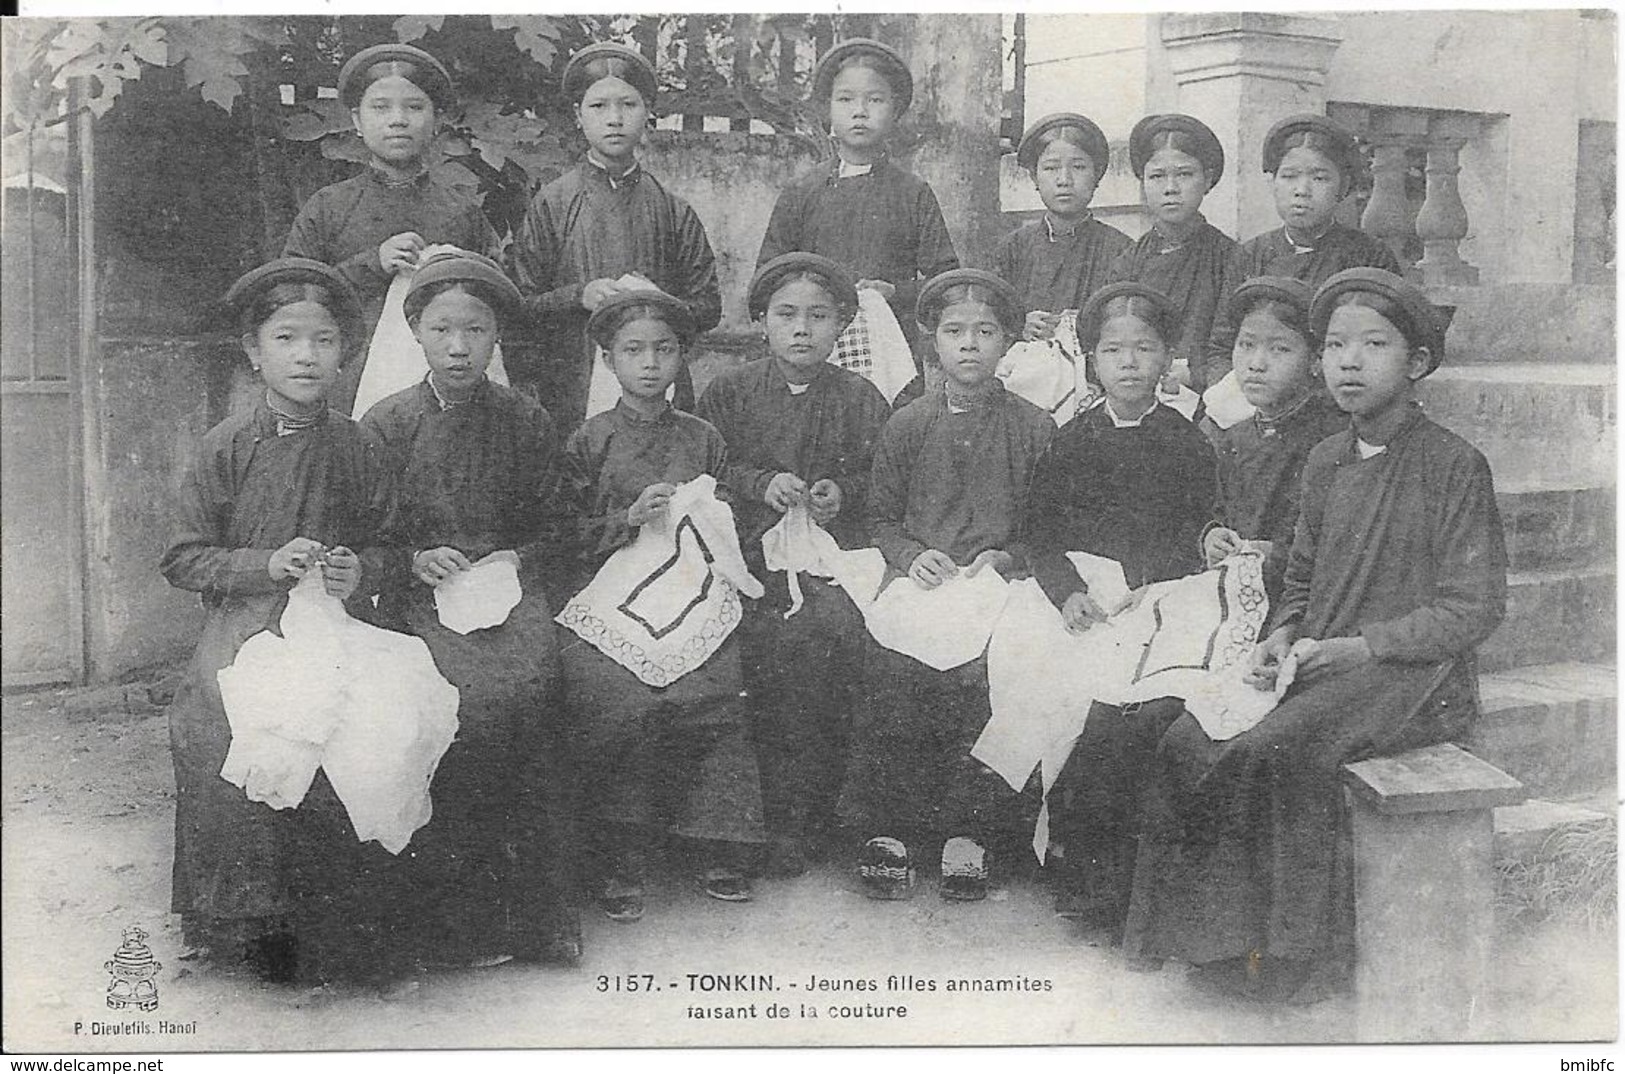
(1425, 233)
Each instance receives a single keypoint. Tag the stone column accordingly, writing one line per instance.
(958, 87)
(1240, 72)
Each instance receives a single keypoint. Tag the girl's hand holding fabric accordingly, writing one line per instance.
(1080, 612)
(886, 289)
(341, 572)
(996, 558)
(1268, 656)
(293, 559)
(1333, 656)
(650, 505)
(400, 251)
(1219, 543)
(931, 568)
(824, 501)
(784, 491)
(435, 565)
(1040, 324)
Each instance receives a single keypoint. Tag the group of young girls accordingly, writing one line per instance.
(1384, 559)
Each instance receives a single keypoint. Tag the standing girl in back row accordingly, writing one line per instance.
(601, 221)
(374, 225)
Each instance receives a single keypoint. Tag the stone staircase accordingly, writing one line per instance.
(1548, 681)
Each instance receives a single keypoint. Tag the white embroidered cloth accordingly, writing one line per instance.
(873, 345)
(942, 627)
(481, 597)
(366, 705)
(1042, 678)
(395, 359)
(797, 545)
(661, 606)
(1049, 373)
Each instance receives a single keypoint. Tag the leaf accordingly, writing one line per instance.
(317, 119)
(107, 53)
(537, 35)
(209, 51)
(411, 27)
(346, 147)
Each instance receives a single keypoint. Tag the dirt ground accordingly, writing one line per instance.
(87, 818)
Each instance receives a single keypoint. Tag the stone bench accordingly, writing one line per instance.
(1424, 889)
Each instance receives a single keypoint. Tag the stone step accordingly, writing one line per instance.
(1561, 527)
(1564, 613)
(1522, 831)
(1530, 322)
(1552, 726)
(1547, 425)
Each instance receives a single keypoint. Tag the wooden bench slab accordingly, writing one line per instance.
(1434, 779)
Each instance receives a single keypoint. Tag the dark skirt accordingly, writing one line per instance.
(675, 759)
(249, 880)
(493, 869)
(1096, 800)
(910, 773)
(802, 677)
(1245, 848)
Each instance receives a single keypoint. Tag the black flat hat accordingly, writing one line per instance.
(1090, 317)
(1294, 293)
(300, 270)
(1339, 143)
(892, 68)
(467, 266)
(767, 278)
(1427, 322)
(1007, 303)
(635, 70)
(598, 325)
(1093, 138)
(413, 64)
(1206, 143)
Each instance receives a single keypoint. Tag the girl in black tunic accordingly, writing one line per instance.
(475, 465)
(274, 492)
(375, 224)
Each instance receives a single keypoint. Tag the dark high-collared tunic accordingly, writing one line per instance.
(801, 673)
(955, 482)
(1273, 254)
(1261, 476)
(883, 225)
(1139, 495)
(677, 755)
(1404, 549)
(344, 224)
(586, 226)
(240, 864)
(1054, 270)
(481, 476)
(1196, 275)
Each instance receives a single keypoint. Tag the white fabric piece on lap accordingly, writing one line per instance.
(1042, 678)
(366, 705)
(942, 627)
(1227, 405)
(395, 359)
(797, 545)
(661, 606)
(873, 346)
(481, 597)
